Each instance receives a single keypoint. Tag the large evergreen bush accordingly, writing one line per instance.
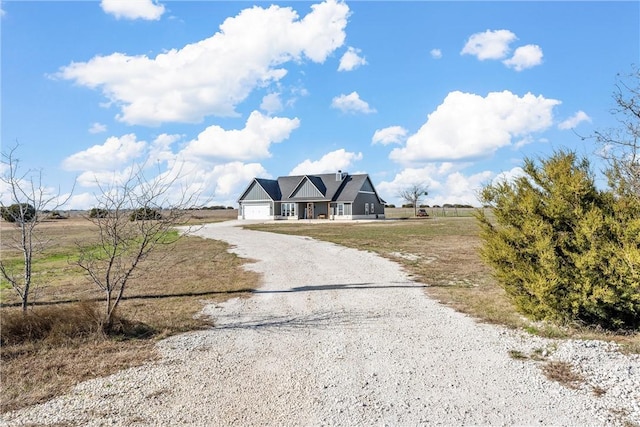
(563, 249)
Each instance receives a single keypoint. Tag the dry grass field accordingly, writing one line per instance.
(174, 283)
(163, 299)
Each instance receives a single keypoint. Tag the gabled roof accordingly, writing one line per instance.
(353, 184)
(270, 186)
(349, 191)
(311, 185)
(329, 188)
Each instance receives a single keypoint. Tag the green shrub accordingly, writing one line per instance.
(98, 213)
(562, 249)
(18, 212)
(145, 214)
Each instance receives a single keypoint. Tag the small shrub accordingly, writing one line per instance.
(145, 214)
(55, 215)
(98, 213)
(18, 212)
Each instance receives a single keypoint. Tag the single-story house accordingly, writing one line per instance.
(322, 196)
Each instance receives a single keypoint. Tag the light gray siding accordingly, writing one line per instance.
(257, 193)
(307, 190)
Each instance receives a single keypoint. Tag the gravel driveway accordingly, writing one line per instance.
(337, 336)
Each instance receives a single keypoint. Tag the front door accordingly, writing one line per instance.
(309, 210)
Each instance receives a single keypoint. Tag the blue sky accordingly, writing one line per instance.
(448, 94)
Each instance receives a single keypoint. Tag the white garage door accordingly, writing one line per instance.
(256, 212)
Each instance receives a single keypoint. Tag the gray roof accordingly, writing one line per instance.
(329, 188)
(271, 187)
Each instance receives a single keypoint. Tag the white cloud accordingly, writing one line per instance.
(427, 175)
(231, 178)
(574, 120)
(251, 142)
(214, 183)
(97, 128)
(436, 53)
(133, 9)
(351, 60)
(83, 201)
(330, 162)
(271, 103)
(111, 155)
(525, 57)
(509, 176)
(160, 149)
(25, 179)
(468, 126)
(221, 181)
(217, 184)
(212, 76)
(351, 104)
(201, 166)
(445, 181)
(389, 135)
(489, 45)
(92, 178)
(496, 45)
(528, 139)
(462, 189)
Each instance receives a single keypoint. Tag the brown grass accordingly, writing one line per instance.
(32, 374)
(59, 343)
(563, 373)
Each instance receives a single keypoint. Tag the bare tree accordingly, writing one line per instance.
(28, 199)
(133, 218)
(620, 147)
(414, 194)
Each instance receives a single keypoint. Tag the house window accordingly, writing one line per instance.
(366, 208)
(372, 208)
(288, 209)
(340, 209)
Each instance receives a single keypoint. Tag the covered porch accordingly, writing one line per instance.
(314, 210)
